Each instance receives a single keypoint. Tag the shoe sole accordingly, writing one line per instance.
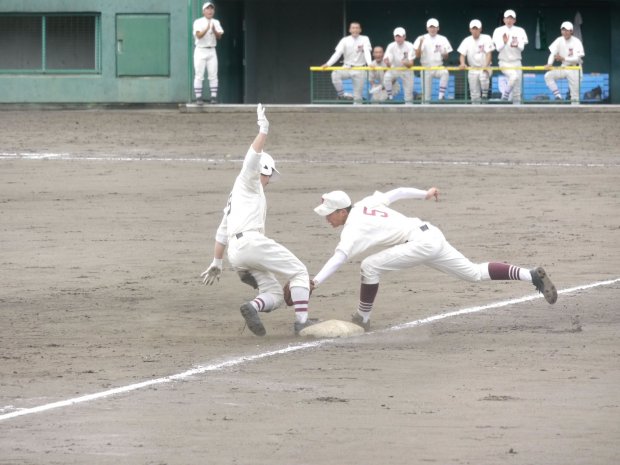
(549, 290)
(250, 315)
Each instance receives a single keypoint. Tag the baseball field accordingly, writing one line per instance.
(113, 352)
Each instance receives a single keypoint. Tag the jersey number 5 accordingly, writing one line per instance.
(378, 213)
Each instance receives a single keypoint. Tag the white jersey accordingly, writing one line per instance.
(354, 50)
(372, 223)
(208, 40)
(571, 49)
(247, 206)
(433, 49)
(397, 53)
(511, 50)
(475, 50)
(375, 76)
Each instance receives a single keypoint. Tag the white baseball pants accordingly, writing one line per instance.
(205, 59)
(390, 77)
(427, 78)
(429, 248)
(478, 84)
(358, 78)
(573, 76)
(515, 76)
(264, 257)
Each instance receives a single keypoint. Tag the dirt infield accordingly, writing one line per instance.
(108, 220)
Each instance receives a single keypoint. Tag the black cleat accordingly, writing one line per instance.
(252, 319)
(543, 284)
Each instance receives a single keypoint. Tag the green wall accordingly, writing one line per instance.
(106, 86)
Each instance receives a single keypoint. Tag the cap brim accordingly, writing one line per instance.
(275, 175)
(324, 210)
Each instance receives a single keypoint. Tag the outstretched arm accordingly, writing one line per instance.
(263, 124)
(412, 193)
(330, 267)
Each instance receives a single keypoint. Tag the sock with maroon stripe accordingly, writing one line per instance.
(505, 271)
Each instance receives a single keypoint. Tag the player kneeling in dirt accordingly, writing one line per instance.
(253, 255)
(408, 242)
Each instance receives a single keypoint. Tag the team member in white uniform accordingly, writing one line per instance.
(376, 75)
(510, 41)
(432, 49)
(569, 51)
(252, 254)
(355, 50)
(407, 242)
(475, 52)
(207, 31)
(399, 54)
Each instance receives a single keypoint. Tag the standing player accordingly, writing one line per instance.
(476, 49)
(399, 54)
(407, 242)
(510, 41)
(207, 31)
(569, 51)
(253, 255)
(355, 50)
(432, 49)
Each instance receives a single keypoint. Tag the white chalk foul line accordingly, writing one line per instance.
(293, 348)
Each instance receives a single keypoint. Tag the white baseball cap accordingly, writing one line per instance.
(432, 22)
(268, 167)
(475, 23)
(400, 31)
(333, 201)
(567, 25)
(207, 5)
(508, 13)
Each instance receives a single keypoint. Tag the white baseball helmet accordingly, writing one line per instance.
(268, 167)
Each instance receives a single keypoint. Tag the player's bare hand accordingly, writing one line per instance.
(211, 274)
(462, 66)
(548, 66)
(505, 37)
(432, 192)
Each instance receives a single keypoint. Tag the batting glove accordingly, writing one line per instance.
(262, 122)
(212, 274)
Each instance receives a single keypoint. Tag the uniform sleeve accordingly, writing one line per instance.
(330, 267)
(218, 27)
(403, 193)
(197, 27)
(222, 231)
(463, 47)
(416, 43)
(523, 41)
(553, 50)
(337, 54)
(251, 166)
(367, 50)
(447, 46)
(498, 39)
(489, 46)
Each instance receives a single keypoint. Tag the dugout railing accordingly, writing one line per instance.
(593, 87)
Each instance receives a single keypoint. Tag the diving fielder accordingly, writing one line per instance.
(406, 242)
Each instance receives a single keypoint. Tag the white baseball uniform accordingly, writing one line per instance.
(572, 51)
(242, 229)
(205, 55)
(475, 52)
(407, 241)
(355, 52)
(396, 53)
(432, 50)
(509, 56)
